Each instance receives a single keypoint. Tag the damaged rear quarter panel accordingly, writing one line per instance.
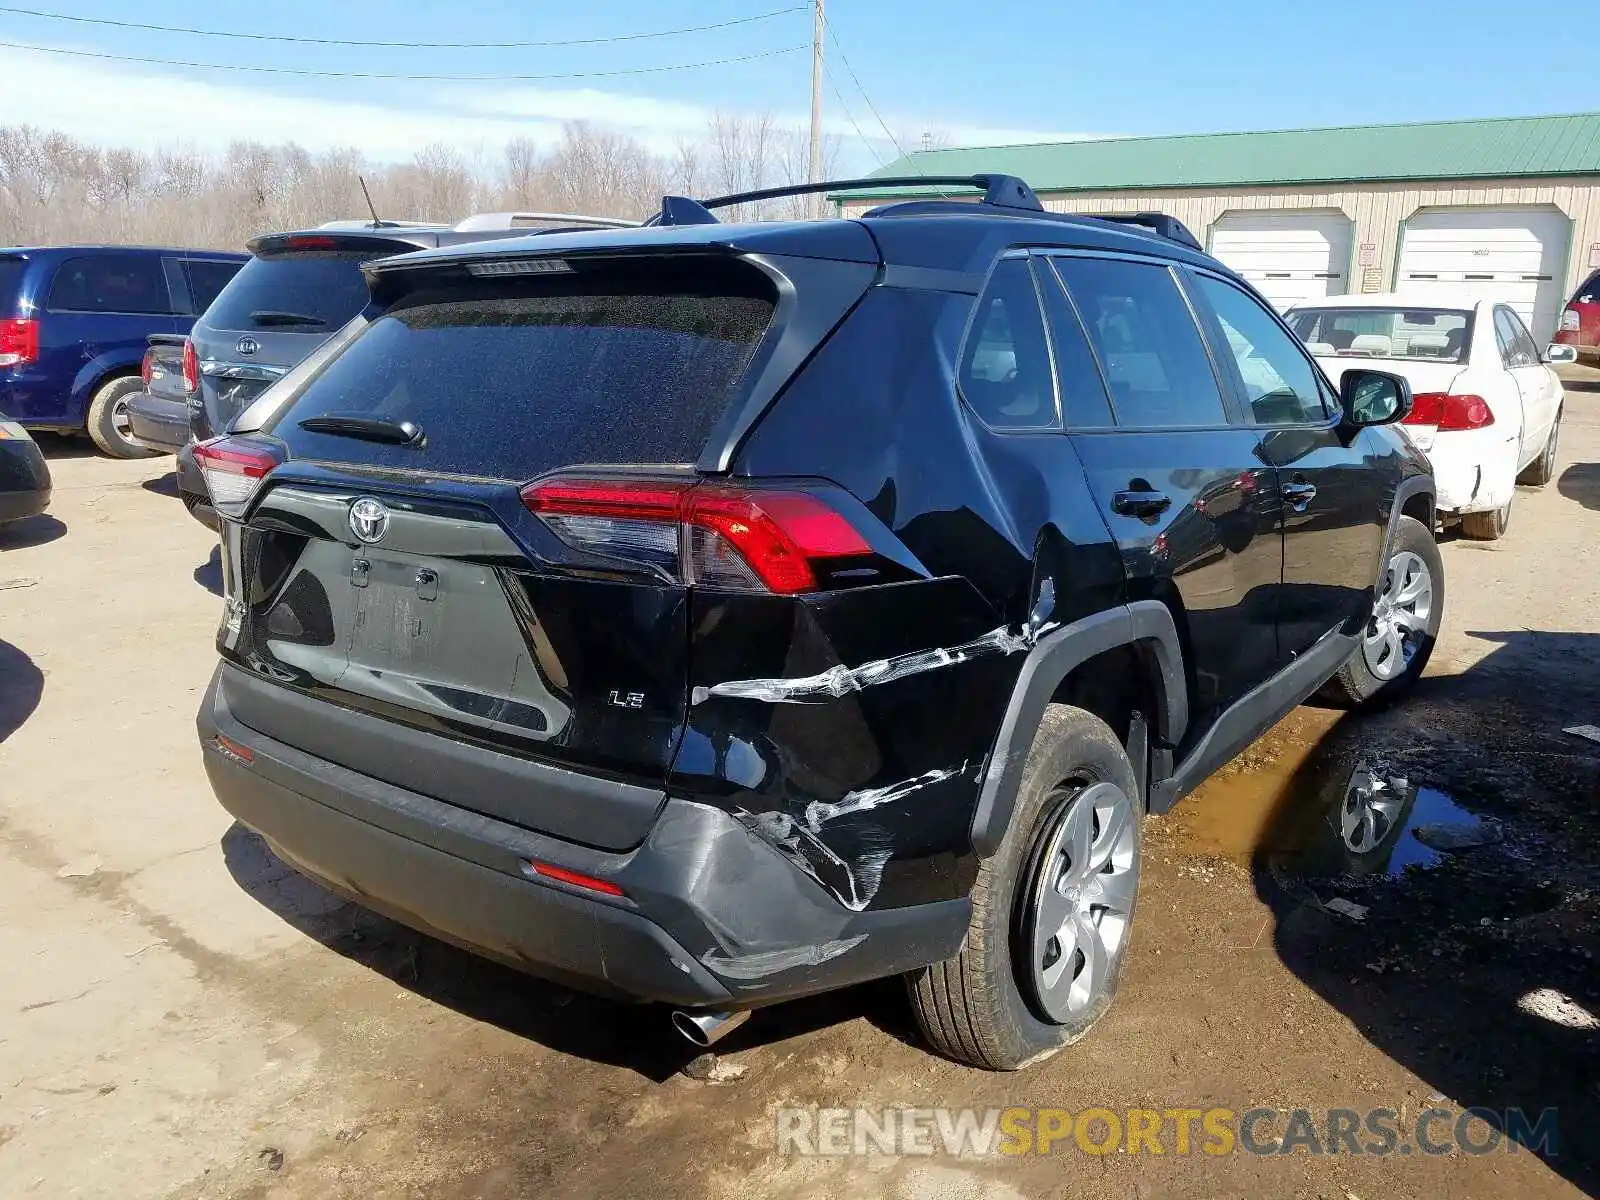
(870, 791)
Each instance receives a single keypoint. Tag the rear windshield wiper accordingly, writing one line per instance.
(272, 316)
(371, 429)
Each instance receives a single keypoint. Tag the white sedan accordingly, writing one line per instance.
(1487, 407)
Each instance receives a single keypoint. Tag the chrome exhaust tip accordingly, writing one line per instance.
(707, 1028)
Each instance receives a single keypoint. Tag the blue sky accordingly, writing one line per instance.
(1028, 70)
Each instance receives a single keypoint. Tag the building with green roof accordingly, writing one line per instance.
(1505, 208)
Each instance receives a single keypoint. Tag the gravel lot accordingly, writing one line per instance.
(183, 1016)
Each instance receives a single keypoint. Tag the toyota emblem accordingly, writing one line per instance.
(248, 346)
(369, 519)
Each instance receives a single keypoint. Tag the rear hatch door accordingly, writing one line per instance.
(405, 579)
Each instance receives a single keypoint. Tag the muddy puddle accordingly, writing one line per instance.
(1300, 806)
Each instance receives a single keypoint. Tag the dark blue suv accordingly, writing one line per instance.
(73, 327)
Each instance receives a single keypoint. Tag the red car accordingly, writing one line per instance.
(1580, 322)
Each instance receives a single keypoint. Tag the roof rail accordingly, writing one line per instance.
(1159, 223)
(1000, 191)
(482, 222)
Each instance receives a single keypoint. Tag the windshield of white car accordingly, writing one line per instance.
(1415, 334)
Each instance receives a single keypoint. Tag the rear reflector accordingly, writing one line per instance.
(234, 469)
(1449, 412)
(587, 882)
(191, 367)
(19, 341)
(708, 534)
(234, 750)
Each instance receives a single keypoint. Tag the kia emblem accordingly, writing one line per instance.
(248, 346)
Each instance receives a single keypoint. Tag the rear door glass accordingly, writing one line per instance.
(301, 292)
(509, 379)
(10, 279)
(207, 279)
(110, 283)
(1147, 342)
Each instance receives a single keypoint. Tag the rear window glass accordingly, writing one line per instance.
(308, 292)
(509, 380)
(10, 279)
(1421, 334)
(112, 283)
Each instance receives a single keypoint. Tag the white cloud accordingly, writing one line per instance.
(143, 105)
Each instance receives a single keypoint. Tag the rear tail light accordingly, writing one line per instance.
(1571, 321)
(707, 534)
(191, 367)
(19, 341)
(1449, 412)
(233, 470)
(147, 367)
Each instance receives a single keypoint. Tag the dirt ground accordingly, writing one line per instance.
(180, 1015)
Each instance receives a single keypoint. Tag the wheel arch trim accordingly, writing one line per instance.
(1147, 624)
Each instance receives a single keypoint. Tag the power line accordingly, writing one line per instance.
(870, 105)
(849, 116)
(178, 62)
(320, 41)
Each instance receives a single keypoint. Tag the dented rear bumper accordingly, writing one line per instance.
(711, 914)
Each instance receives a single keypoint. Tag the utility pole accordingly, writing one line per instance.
(818, 31)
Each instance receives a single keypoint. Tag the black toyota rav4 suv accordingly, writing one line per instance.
(714, 614)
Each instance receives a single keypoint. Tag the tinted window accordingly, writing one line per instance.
(1084, 404)
(1147, 342)
(508, 380)
(10, 279)
(325, 289)
(207, 279)
(1589, 293)
(1279, 380)
(1516, 347)
(113, 283)
(1005, 371)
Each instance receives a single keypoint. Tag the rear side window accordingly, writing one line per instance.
(1005, 369)
(312, 292)
(1147, 342)
(110, 283)
(207, 279)
(509, 379)
(10, 281)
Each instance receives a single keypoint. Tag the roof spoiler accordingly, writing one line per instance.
(483, 222)
(999, 191)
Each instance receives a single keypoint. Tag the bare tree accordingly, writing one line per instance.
(54, 188)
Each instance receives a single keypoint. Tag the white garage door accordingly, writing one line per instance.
(1457, 256)
(1289, 257)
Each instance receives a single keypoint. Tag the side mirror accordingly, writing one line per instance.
(1560, 354)
(1374, 397)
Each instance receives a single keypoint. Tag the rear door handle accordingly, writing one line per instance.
(1299, 495)
(1140, 504)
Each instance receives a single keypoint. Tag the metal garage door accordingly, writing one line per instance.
(1289, 257)
(1456, 256)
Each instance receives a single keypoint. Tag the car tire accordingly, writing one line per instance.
(1370, 678)
(108, 420)
(993, 1005)
(1487, 526)
(1543, 469)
